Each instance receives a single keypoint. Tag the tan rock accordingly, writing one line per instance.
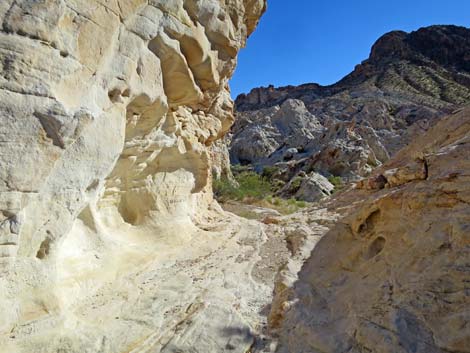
(392, 276)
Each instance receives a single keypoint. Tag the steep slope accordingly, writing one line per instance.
(347, 129)
(392, 276)
(109, 110)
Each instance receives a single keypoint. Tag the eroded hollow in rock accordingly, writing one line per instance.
(375, 248)
(164, 182)
(369, 223)
(157, 169)
(44, 249)
(178, 80)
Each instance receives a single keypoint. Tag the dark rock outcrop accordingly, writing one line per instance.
(409, 81)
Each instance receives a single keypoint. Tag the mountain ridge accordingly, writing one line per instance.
(409, 82)
(379, 50)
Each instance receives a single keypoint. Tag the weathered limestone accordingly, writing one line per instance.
(314, 187)
(108, 111)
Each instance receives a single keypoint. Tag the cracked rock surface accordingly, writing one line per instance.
(393, 274)
(109, 111)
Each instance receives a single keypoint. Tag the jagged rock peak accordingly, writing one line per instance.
(444, 46)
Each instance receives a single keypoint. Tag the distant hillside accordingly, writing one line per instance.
(346, 129)
(429, 65)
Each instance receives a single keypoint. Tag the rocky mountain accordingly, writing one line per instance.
(347, 129)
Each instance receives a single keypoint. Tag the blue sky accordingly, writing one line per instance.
(300, 41)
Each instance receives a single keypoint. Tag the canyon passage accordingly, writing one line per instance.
(116, 121)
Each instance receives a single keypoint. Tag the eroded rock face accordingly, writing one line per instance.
(409, 81)
(270, 135)
(314, 187)
(108, 112)
(393, 275)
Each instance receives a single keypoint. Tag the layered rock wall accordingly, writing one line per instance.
(108, 110)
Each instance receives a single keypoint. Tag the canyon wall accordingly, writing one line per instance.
(108, 112)
(392, 276)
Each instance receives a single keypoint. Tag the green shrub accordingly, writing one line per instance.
(301, 204)
(224, 189)
(277, 185)
(336, 181)
(292, 202)
(295, 184)
(255, 189)
(290, 206)
(250, 185)
(238, 168)
(269, 172)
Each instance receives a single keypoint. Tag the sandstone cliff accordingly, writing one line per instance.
(347, 129)
(108, 112)
(392, 276)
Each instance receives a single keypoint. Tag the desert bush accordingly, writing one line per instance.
(337, 181)
(255, 189)
(238, 168)
(250, 186)
(270, 171)
(295, 183)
